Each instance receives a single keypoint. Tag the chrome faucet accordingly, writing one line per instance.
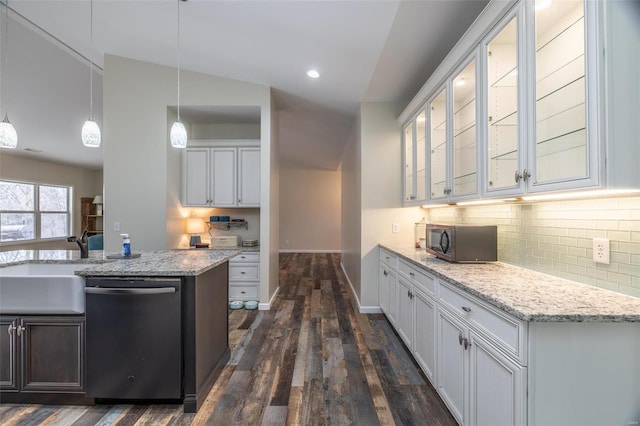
(82, 242)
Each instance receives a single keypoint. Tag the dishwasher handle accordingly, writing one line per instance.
(129, 291)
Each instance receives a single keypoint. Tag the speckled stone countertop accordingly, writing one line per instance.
(150, 263)
(526, 294)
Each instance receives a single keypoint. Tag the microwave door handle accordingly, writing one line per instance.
(444, 241)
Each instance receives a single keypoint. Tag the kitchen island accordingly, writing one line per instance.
(507, 345)
(199, 285)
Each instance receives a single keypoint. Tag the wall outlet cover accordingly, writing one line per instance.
(395, 228)
(601, 252)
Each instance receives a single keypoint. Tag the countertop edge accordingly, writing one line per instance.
(510, 309)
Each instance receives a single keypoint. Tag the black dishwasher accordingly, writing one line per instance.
(134, 338)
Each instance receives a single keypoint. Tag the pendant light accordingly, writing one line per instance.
(8, 134)
(90, 130)
(178, 134)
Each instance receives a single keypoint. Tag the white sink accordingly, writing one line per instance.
(42, 288)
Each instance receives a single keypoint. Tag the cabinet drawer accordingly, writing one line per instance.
(499, 327)
(424, 281)
(243, 272)
(389, 258)
(243, 292)
(246, 258)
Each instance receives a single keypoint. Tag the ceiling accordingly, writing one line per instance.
(365, 51)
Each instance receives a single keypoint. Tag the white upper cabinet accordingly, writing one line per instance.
(453, 137)
(541, 104)
(504, 164)
(221, 174)
(415, 160)
(465, 132)
(564, 132)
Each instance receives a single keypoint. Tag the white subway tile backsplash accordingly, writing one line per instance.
(556, 237)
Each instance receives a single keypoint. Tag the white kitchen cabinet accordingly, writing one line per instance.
(249, 177)
(388, 285)
(415, 160)
(404, 324)
(221, 174)
(244, 276)
(453, 136)
(556, 80)
(453, 365)
(384, 287)
(495, 386)
(425, 333)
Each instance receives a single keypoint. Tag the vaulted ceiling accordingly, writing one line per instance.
(365, 51)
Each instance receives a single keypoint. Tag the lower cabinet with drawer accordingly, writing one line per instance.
(244, 276)
(479, 382)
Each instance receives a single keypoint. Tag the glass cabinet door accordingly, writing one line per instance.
(421, 156)
(438, 145)
(560, 91)
(465, 176)
(502, 108)
(408, 162)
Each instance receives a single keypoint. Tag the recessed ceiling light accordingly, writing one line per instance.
(313, 74)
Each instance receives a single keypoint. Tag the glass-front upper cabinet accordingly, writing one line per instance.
(438, 146)
(415, 159)
(465, 133)
(504, 169)
(561, 151)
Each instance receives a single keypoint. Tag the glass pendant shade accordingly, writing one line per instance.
(178, 135)
(8, 135)
(91, 134)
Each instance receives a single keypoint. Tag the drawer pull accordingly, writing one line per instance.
(243, 292)
(243, 272)
(386, 257)
(466, 309)
(412, 274)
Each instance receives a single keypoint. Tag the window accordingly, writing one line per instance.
(31, 211)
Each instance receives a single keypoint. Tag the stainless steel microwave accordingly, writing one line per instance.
(463, 243)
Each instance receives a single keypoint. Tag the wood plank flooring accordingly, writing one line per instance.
(311, 360)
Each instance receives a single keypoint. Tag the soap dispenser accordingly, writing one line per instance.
(126, 245)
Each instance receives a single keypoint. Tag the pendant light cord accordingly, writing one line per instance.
(91, 61)
(178, 59)
(5, 52)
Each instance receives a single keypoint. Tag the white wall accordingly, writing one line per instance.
(269, 208)
(310, 204)
(351, 209)
(85, 183)
(142, 172)
(381, 194)
(225, 131)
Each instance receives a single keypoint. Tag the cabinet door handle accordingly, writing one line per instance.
(526, 175)
(460, 339)
(11, 329)
(467, 344)
(517, 177)
(20, 329)
(466, 309)
(385, 273)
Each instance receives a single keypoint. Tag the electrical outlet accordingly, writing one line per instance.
(395, 228)
(601, 252)
(116, 226)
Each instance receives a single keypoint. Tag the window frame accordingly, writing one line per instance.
(37, 212)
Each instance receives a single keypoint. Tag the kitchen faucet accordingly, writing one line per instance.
(82, 242)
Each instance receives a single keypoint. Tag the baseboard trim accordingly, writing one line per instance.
(310, 251)
(267, 306)
(361, 309)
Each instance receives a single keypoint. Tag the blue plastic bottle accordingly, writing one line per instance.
(126, 245)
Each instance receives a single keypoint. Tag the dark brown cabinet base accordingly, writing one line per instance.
(42, 359)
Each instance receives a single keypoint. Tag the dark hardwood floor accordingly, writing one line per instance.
(311, 360)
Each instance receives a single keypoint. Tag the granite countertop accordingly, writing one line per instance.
(150, 263)
(526, 294)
